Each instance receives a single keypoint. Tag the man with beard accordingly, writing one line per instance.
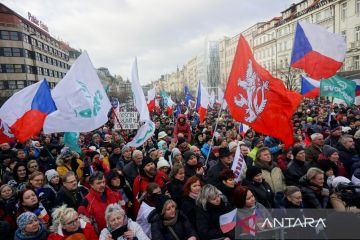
(182, 127)
(115, 159)
(335, 134)
(100, 196)
(348, 154)
(70, 193)
(147, 175)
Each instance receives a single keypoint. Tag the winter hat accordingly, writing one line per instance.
(180, 141)
(338, 180)
(160, 201)
(215, 149)
(188, 154)
(65, 152)
(146, 161)
(328, 150)
(296, 150)
(346, 129)
(125, 149)
(24, 219)
(160, 144)
(175, 151)
(252, 171)
(50, 174)
(232, 145)
(44, 153)
(224, 152)
(255, 141)
(162, 163)
(161, 135)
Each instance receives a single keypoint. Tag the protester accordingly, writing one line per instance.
(176, 184)
(191, 191)
(211, 204)
(70, 193)
(116, 219)
(95, 202)
(297, 167)
(315, 195)
(30, 228)
(45, 195)
(315, 149)
(67, 224)
(225, 163)
(169, 223)
(69, 161)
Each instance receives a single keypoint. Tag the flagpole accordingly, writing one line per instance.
(121, 132)
(216, 125)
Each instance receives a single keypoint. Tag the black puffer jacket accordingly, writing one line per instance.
(296, 169)
(347, 157)
(175, 188)
(312, 197)
(262, 192)
(188, 207)
(182, 228)
(207, 221)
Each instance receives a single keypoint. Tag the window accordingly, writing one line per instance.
(9, 68)
(356, 62)
(20, 84)
(12, 84)
(343, 10)
(14, 36)
(7, 52)
(51, 73)
(18, 68)
(16, 52)
(39, 44)
(5, 35)
(357, 7)
(25, 38)
(2, 84)
(46, 72)
(37, 56)
(40, 71)
(357, 33)
(33, 41)
(343, 33)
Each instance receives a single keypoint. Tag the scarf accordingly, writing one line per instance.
(171, 222)
(193, 195)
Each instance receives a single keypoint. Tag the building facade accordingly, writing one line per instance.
(28, 53)
(272, 41)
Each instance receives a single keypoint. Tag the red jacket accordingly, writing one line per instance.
(139, 187)
(182, 128)
(87, 228)
(94, 207)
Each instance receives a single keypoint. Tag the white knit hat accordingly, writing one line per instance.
(162, 163)
(338, 180)
(50, 174)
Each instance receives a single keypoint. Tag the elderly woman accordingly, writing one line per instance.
(168, 223)
(211, 204)
(315, 195)
(67, 225)
(30, 228)
(119, 226)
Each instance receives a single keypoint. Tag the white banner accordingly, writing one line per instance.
(128, 120)
(143, 134)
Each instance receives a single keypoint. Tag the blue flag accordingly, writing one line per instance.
(188, 95)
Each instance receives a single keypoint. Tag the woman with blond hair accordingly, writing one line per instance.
(68, 225)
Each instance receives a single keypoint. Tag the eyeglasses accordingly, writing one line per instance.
(73, 222)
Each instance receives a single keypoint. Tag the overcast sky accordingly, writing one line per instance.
(163, 34)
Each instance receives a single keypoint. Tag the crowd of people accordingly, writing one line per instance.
(179, 182)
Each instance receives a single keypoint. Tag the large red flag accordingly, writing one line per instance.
(259, 100)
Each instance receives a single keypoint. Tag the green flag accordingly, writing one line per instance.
(71, 140)
(338, 87)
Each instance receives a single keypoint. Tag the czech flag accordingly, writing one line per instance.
(310, 88)
(151, 100)
(26, 110)
(243, 129)
(228, 221)
(202, 101)
(317, 51)
(357, 90)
